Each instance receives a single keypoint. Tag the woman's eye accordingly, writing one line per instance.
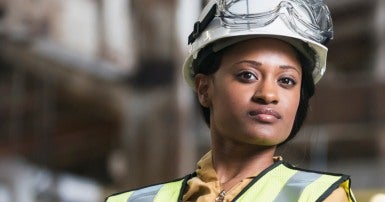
(287, 81)
(247, 76)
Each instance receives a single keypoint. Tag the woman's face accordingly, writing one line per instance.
(254, 95)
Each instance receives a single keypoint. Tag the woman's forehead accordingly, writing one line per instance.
(262, 45)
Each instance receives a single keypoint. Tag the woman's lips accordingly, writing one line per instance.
(265, 115)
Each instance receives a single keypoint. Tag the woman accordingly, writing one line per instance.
(253, 66)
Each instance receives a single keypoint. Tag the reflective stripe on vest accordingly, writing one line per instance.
(146, 194)
(157, 193)
(280, 183)
(296, 185)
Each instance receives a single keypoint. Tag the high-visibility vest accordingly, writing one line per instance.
(281, 182)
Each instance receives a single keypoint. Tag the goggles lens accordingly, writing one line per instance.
(309, 18)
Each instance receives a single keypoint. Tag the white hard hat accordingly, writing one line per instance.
(305, 24)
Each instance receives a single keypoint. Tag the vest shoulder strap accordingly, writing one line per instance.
(287, 183)
(169, 191)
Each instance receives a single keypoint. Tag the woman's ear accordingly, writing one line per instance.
(202, 89)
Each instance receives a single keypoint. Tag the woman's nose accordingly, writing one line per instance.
(266, 93)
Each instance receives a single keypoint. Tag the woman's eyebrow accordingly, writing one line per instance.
(255, 63)
(252, 62)
(291, 67)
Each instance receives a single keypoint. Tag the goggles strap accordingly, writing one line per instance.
(328, 36)
(202, 55)
(199, 26)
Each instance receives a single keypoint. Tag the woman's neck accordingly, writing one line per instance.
(234, 161)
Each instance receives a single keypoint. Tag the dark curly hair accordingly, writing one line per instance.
(212, 61)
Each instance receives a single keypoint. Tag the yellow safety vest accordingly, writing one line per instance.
(280, 182)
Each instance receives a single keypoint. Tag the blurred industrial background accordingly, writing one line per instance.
(92, 99)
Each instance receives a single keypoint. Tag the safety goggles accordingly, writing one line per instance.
(309, 18)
